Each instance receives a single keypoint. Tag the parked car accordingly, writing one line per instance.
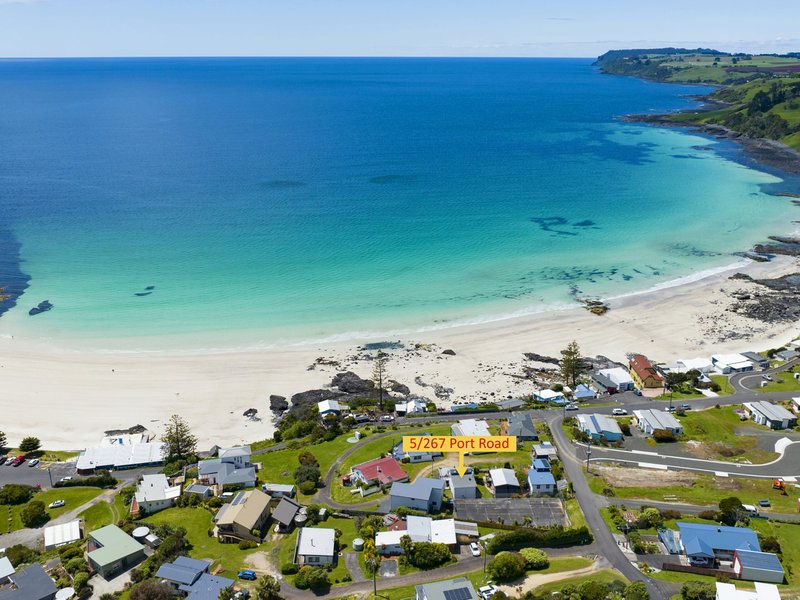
(387, 418)
(247, 574)
(56, 504)
(242, 595)
(670, 409)
(571, 407)
(619, 411)
(767, 377)
(475, 549)
(637, 391)
(764, 503)
(487, 591)
(685, 406)
(10, 460)
(18, 461)
(67, 478)
(33, 462)
(362, 418)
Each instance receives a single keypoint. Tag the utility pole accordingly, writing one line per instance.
(483, 547)
(588, 453)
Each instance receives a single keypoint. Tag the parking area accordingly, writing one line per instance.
(541, 511)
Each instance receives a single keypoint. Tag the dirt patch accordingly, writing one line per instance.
(260, 563)
(643, 478)
(713, 450)
(531, 582)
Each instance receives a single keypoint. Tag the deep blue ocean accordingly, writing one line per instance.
(240, 202)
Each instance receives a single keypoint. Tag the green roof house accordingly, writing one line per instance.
(111, 551)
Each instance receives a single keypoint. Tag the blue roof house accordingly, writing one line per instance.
(598, 426)
(541, 483)
(758, 566)
(704, 544)
(541, 464)
(583, 392)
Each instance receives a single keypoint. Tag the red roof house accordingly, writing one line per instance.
(381, 470)
(644, 374)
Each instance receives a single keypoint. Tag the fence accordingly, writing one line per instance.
(668, 566)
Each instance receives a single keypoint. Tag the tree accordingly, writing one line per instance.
(571, 363)
(268, 588)
(19, 555)
(506, 566)
(15, 493)
(730, 509)
(152, 590)
(378, 375)
(30, 444)
(108, 596)
(427, 555)
(80, 581)
(306, 458)
(312, 578)
(3, 440)
(698, 590)
(593, 590)
(306, 473)
(535, 559)
(226, 593)
(181, 444)
(407, 545)
(636, 591)
(34, 514)
(650, 517)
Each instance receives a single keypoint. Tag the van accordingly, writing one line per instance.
(751, 510)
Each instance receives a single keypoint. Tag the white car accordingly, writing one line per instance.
(387, 418)
(56, 504)
(571, 407)
(619, 411)
(475, 549)
(33, 462)
(68, 478)
(487, 591)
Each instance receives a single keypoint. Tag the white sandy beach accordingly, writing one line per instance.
(68, 398)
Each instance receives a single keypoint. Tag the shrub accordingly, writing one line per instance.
(428, 555)
(76, 564)
(312, 578)
(19, 555)
(709, 515)
(770, 544)
(650, 517)
(306, 473)
(625, 428)
(663, 436)
(539, 537)
(670, 513)
(289, 569)
(247, 545)
(698, 590)
(506, 566)
(593, 590)
(307, 458)
(214, 502)
(69, 552)
(152, 590)
(103, 479)
(636, 591)
(34, 514)
(80, 581)
(307, 487)
(15, 493)
(535, 559)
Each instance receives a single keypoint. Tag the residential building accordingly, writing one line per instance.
(63, 534)
(231, 468)
(464, 488)
(541, 464)
(279, 490)
(30, 583)
(315, 546)
(796, 404)
(6, 570)
(182, 572)
(541, 483)
(380, 471)
(521, 425)
(504, 483)
(154, 493)
(763, 591)
(418, 529)
(758, 566)
(772, 415)
(603, 384)
(621, 378)
(545, 450)
(410, 407)
(706, 544)
(415, 457)
(470, 427)
(598, 426)
(510, 404)
(649, 421)
(121, 452)
(111, 551)
(684, 365)
(550, 396)
(731, 363)
(424, 494)
(284, 514)
(452, 589)
(329, 407)
(201, 490)
(762, 362)
(583, 392)
(644, 374)
(245, 514)
(785, 355)
(239, 456)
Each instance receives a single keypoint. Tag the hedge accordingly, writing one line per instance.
(539, 537)
(102, 480)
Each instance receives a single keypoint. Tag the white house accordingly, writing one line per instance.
(796, 404)
(731, 363)
(685, 365)
(470, 427)
(546, 395)
(315, 546)
(329, 407)
(61, 535)
(409, 407)
(154, 493)
(649, 421)
(769, 414)
(763, 591)
(621, 377)
(419, 529)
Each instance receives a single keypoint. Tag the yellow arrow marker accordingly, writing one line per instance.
(461, 444)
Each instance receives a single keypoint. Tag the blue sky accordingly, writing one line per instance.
(387, 27)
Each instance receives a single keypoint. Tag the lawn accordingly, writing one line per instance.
(787, 383)
(97, 516)
(724, 384)
(705, 490)
(715, 429)
(575, 513)
(198, 522)
(603, 576)
(73, 497)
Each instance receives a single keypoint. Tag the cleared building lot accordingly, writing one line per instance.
(542, 511)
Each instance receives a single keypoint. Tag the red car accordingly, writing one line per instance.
(18, 461)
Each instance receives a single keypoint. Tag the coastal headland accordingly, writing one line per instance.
(68, 398)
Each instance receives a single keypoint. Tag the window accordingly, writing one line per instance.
(312, 559)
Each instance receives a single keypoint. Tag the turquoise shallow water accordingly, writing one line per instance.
(281, 200)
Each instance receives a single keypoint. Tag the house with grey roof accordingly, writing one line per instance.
(772, 415)
(521, 425)
(279, 490)
(201, 490)
(207, 587)
(786, 355)
(111, 551)
(598, 426)
(762, 362)
(452, 589)
(504, 483)
(30, 583)
(316, 546)
(424, 494)
(183, 571)
(284, 514)
(463, 488)
(232, 468)
(649, 421)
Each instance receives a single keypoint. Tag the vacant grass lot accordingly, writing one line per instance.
(787, 383)
(715, 430)
(73, 497)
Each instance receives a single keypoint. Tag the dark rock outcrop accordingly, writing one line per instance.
(43, 306)
(314, 396)
(541, 358)
(788, 250)
(350, 383)
(784, 239)
(449, 352)
(399, 388)
(278, 403)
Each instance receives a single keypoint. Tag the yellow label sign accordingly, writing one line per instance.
(459, 443)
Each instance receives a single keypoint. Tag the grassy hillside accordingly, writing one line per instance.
(761, 93)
